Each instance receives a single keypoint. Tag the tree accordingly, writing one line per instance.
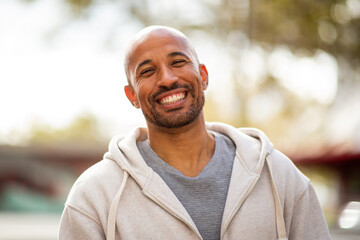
(304, 27)
(84, 129)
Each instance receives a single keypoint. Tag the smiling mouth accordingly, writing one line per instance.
(173, 98)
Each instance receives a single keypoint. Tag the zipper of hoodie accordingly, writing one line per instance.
(248, 191)
(152, 197)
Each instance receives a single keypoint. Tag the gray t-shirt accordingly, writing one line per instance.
(203, 196)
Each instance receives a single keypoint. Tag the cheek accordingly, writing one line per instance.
(143, 92)
(192, 75)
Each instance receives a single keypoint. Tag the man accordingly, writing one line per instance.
(183, 178)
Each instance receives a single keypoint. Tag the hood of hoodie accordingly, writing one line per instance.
(123, 150)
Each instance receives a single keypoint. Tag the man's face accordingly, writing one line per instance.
(167, 80)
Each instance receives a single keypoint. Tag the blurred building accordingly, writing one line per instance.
(37, 178)
(335, 173)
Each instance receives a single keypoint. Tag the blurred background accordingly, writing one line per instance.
(288, 67)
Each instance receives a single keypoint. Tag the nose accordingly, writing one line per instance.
(166, 77)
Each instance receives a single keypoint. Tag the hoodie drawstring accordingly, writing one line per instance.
(280, 223)
(110, 232)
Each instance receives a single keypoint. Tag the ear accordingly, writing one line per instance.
(130, 94)
(204, 76)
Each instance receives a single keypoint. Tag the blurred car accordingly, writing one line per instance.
(349, 217)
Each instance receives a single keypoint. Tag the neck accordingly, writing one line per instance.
(188, 149)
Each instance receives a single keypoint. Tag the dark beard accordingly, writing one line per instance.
(177, 120)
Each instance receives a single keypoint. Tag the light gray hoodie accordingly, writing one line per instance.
(120, 197)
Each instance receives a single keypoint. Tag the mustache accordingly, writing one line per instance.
(173, 86)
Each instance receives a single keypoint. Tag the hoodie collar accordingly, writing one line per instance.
(252, 146)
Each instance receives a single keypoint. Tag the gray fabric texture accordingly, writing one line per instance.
(203, 196)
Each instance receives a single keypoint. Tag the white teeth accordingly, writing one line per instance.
(172, 99)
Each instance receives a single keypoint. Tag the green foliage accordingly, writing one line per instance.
(78, 6)
(326, 25)
(303, 26)
(84, 129)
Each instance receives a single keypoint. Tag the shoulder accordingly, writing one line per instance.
(101, 176)
(302, 211)
(95, 187)
(285, 168)
(290, 181)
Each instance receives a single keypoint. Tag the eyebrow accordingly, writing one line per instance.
(174, 54)
(147, 61)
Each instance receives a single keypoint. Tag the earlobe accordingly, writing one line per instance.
(130, 94)
(204, 76)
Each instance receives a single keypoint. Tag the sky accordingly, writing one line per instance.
(53, 70)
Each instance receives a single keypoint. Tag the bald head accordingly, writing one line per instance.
(144, 38)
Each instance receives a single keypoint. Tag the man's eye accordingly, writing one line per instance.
(146, 72)
(178, 62)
